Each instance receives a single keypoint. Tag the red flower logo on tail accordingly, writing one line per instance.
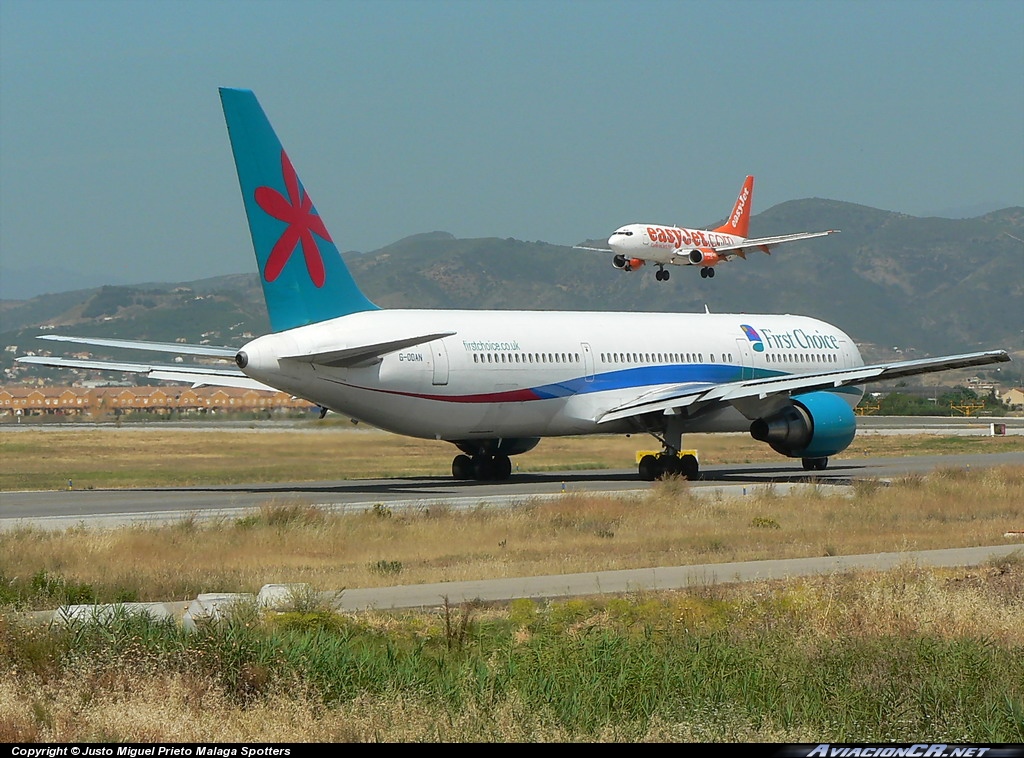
(297, 211)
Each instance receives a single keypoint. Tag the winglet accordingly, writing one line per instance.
(739, 219)
(304, 278)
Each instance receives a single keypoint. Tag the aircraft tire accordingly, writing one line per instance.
(462, 467)
(670, 465)
(649, 468)
(690, 466)
(665, 275)
(483, 468)
(711, 273)
(704, 273)
(815, 464)
(501, 467)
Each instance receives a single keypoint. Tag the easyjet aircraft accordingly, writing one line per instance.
(493, 383)
(634, 245)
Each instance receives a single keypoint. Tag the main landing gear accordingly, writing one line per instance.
(672, 460)
(707, 273)
(661, 274)
(815, 464)
(482, 467)
(487, 460)
(665, 464)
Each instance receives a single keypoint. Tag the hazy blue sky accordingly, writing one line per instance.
(552, 120)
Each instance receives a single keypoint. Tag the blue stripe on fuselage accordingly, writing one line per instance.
(648, 376)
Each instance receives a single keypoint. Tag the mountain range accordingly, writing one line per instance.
(901, 286)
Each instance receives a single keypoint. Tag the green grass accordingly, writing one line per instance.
(695, 666)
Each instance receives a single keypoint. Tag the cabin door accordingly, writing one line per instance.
(440, 360)
(745, 359)
(588, 361)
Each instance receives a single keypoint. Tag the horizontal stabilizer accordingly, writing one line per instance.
(210, 351)
(197, 376)
(353, 356)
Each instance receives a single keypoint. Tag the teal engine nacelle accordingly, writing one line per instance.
(815, 425)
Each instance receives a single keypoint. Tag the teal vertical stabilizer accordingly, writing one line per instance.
(304, 278)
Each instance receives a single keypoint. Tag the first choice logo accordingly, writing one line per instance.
(798, 339)
(754, 337)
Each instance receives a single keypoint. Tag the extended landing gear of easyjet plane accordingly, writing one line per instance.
(815, 464)
(482, 467)
(661, 274)
(664, 464)
(707, 272)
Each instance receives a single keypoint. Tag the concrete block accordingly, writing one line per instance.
(213, 606)
(280, 597)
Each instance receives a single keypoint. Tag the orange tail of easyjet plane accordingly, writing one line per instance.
(739, 219)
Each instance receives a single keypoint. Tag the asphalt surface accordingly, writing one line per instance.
(61, 509)
(114, 508)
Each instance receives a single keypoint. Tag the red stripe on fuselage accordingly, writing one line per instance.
(512, 396)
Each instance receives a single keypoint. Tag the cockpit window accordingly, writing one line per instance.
(623, 233)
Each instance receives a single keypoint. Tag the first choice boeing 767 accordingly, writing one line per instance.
(494, 383)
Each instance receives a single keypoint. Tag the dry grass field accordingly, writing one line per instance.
(150, 456)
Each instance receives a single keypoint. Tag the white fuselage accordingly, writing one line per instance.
(508, 374)
(666, 244)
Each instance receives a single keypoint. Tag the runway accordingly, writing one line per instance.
(114, 507)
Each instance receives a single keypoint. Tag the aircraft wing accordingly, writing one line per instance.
(764, 244)
(593, 249)
(674, 399)
(196, 375)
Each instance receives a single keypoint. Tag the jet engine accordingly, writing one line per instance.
(703, 257)
(623, 263)
(815, 425)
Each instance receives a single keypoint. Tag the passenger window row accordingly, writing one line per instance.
(526, 358)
